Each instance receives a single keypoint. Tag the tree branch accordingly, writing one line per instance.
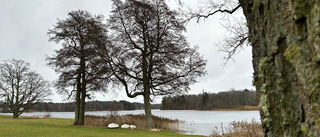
(199, 16)
(219, 10)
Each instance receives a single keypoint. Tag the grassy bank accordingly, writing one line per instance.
(54, 127)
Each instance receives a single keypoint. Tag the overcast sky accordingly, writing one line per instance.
(25, 23)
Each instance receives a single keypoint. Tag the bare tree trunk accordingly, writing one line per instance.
(83, 90)
(15, 115)
(284, 35)
(82, 107)
(77, 110)
(16, 104)
(147, 109)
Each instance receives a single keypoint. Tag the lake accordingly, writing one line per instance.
(199, 122)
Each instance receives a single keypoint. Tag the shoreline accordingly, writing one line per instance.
(244, 108)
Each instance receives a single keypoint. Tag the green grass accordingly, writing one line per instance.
(54, 127)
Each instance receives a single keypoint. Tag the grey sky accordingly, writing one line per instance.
(24, 25)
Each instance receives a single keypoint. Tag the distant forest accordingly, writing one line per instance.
(208, 101)
(204, 101)
(90, 106)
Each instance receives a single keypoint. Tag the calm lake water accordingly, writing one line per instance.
(198, 122)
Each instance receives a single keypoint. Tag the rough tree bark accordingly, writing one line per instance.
(77, 107)
(285, 39)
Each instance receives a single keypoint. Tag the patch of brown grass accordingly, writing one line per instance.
(29, 117)
(241, 129)
(138, 120)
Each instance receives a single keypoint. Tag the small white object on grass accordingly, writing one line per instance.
(133, 127)
(113, 125)
(154, 129)
(125, 126)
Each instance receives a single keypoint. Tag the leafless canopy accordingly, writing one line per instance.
(149, 51)
(79, 34)
(20, 87)
(236, 28)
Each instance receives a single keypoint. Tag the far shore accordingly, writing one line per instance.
(245, 108)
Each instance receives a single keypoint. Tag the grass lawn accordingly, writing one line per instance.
(55, 127)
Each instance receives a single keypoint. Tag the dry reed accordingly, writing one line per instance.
(35, 116)
(241, 129)
(138, 120)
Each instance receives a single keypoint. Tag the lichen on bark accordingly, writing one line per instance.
(285, 39)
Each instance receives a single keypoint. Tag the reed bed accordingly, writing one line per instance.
(240, 129)
(138, 120)
(35, 116)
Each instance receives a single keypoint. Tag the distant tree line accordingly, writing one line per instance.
(90, 106)
(208, 101)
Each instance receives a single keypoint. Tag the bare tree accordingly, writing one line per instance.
(20, 87)
(79, 68)
(237, 31)
(149, 55)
